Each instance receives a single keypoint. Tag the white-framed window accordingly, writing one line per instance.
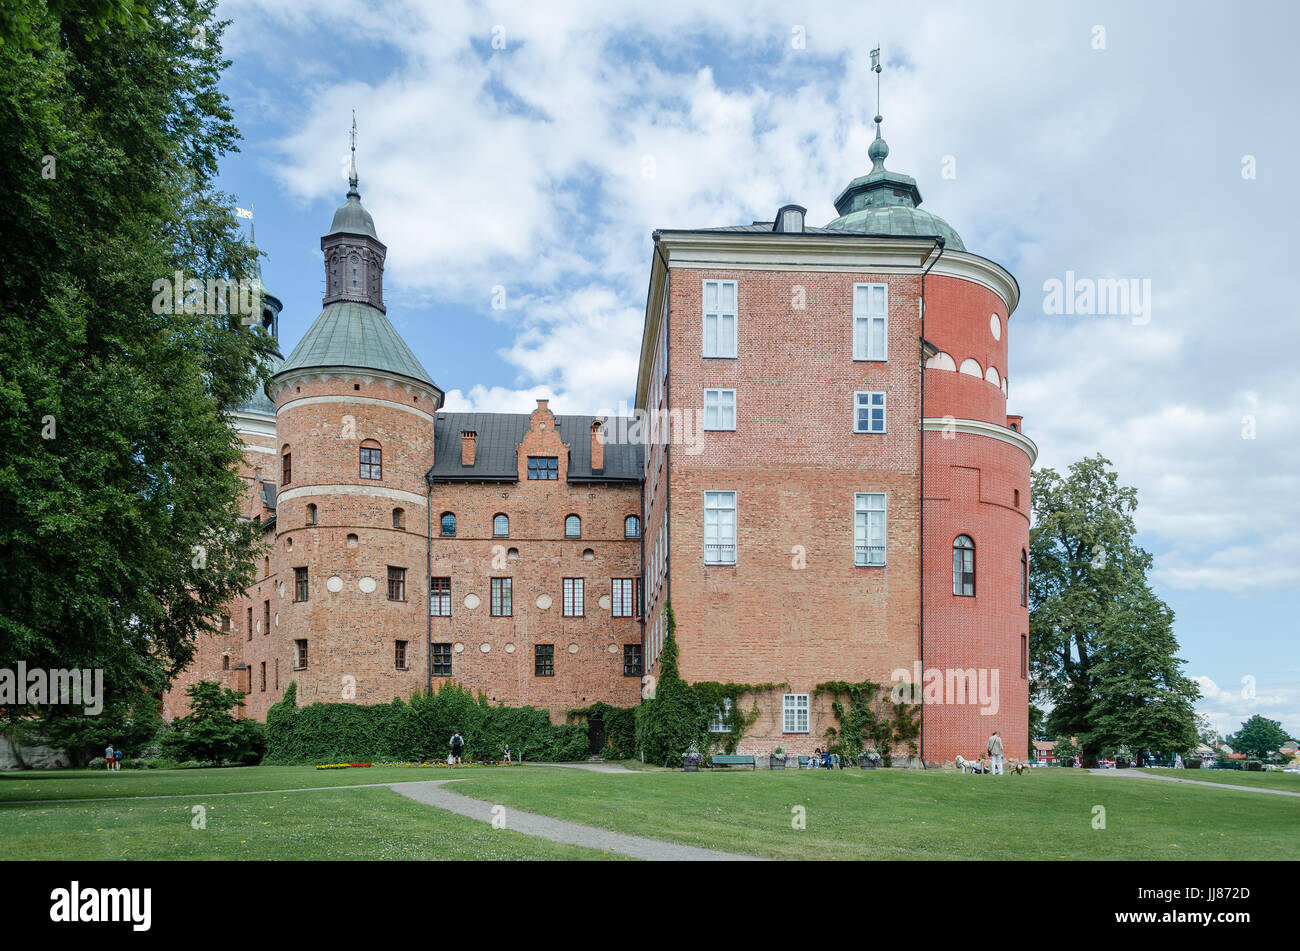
(870, 322)
(622, 598)
(719, 318)
(794, 713)
(869, 528)
(573, 597)
(719, 528)
(719, 409)
(869, 412)
(720, 714)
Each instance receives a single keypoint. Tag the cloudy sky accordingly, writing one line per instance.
(534, 147)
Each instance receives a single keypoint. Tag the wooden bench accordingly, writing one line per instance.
(720, 759)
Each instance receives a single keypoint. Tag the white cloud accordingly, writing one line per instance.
(1228, 708)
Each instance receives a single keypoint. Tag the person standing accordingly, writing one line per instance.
(457, 747)
(995, 751)
(108, 758)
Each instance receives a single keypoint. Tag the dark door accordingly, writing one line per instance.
(596, 733)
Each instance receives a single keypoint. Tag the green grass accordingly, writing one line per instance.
(850, 814)
(95, 784)
(342, 824)
(1234, 777)
(898, 814)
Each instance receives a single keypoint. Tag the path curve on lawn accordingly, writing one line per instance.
(561, 830)
(1192, 782)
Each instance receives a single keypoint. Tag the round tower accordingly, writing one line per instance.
(354, 417)
(975, 479)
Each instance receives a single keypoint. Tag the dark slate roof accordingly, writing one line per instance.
(498, 434)
(268, 495)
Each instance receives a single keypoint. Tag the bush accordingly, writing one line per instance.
(417, 730)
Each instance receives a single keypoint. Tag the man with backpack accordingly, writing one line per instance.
(995, 751)
(457, 747)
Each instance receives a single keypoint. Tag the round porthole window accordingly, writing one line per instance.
(995, 325)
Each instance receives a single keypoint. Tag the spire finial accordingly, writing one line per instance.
(352, 176)
(879, 148)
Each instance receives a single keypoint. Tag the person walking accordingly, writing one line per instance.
(457, 747)
(995, 751)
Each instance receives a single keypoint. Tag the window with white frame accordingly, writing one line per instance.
(573, 597)
(719, 318)
(721, 714)
(719, 528)
(794, 713)
(868, 412)
(719, 409)
(870, 322)
(869, 528)
(622, 603)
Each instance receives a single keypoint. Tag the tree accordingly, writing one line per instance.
(668, 723)
(120, 533)
(1205, 731)
(1095, 626)
(128, 723)
(209, 733)
(1259, 737)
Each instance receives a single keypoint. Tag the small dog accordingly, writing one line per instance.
(1020, 768)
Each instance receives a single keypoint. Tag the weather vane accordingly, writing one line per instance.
(352, 179)
(875, 67)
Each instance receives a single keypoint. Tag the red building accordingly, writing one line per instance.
(820, 474)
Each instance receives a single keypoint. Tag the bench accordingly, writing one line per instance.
(720, 759)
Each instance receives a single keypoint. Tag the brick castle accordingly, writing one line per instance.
(820, 473)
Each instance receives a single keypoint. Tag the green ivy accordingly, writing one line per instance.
(415, 731)
(869, 718)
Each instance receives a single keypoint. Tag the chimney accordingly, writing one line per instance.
(468, 440)
(597, 448)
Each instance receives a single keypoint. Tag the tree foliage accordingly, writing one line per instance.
(1102, 647)
(1259, 737)
(120, 533)
(210, 733)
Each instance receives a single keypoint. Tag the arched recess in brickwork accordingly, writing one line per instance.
(972, 367)
(941, 361)
(991, 374)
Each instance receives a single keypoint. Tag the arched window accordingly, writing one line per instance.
(286, 465)
(311, 514)
(399, 518)
(1024, 578)
(963, 566)
(631, 527)
(500, 525)
(573, 527)
(448, 524)
(371, 460)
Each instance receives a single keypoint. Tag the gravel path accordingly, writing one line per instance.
(1191, 782)
(560, 830)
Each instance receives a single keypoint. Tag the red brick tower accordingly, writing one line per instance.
(355, 415)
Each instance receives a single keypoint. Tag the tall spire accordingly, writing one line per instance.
(352, 176)
(879, 148)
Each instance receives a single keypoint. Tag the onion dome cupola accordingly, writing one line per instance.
(887, 203)
(353, 331)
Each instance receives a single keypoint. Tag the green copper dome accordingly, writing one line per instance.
(356, 335)
(885, 202)
(352, 217)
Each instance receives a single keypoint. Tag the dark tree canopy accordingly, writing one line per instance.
(1102, 647)
(119, 529)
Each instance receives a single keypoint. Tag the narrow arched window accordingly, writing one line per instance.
(311, 514)
(631, 527)
(448, 524)
(500, 526)
(573, 527)
(399, 518)
(1024, 578)
(963, 566)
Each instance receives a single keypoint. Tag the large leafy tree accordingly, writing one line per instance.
(119, 529)
(1259, 737)
(210, 733)
(1101, 643)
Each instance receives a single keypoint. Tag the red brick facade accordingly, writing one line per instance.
(840, 564)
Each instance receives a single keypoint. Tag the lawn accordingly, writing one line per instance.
(849, 814)
(339, 824)
(898, 814)
(1275, 779)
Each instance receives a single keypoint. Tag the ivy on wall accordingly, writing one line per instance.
(869, 719)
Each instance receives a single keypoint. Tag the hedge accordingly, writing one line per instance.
(414, 730)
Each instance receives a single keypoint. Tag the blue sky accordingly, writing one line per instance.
(535, 147)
